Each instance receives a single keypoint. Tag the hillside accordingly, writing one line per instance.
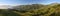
(33, 10)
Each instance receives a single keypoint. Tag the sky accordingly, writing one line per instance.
(20, 2)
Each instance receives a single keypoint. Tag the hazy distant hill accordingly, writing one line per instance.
(3, 6)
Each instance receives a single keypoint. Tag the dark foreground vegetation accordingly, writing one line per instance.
(32, 10)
